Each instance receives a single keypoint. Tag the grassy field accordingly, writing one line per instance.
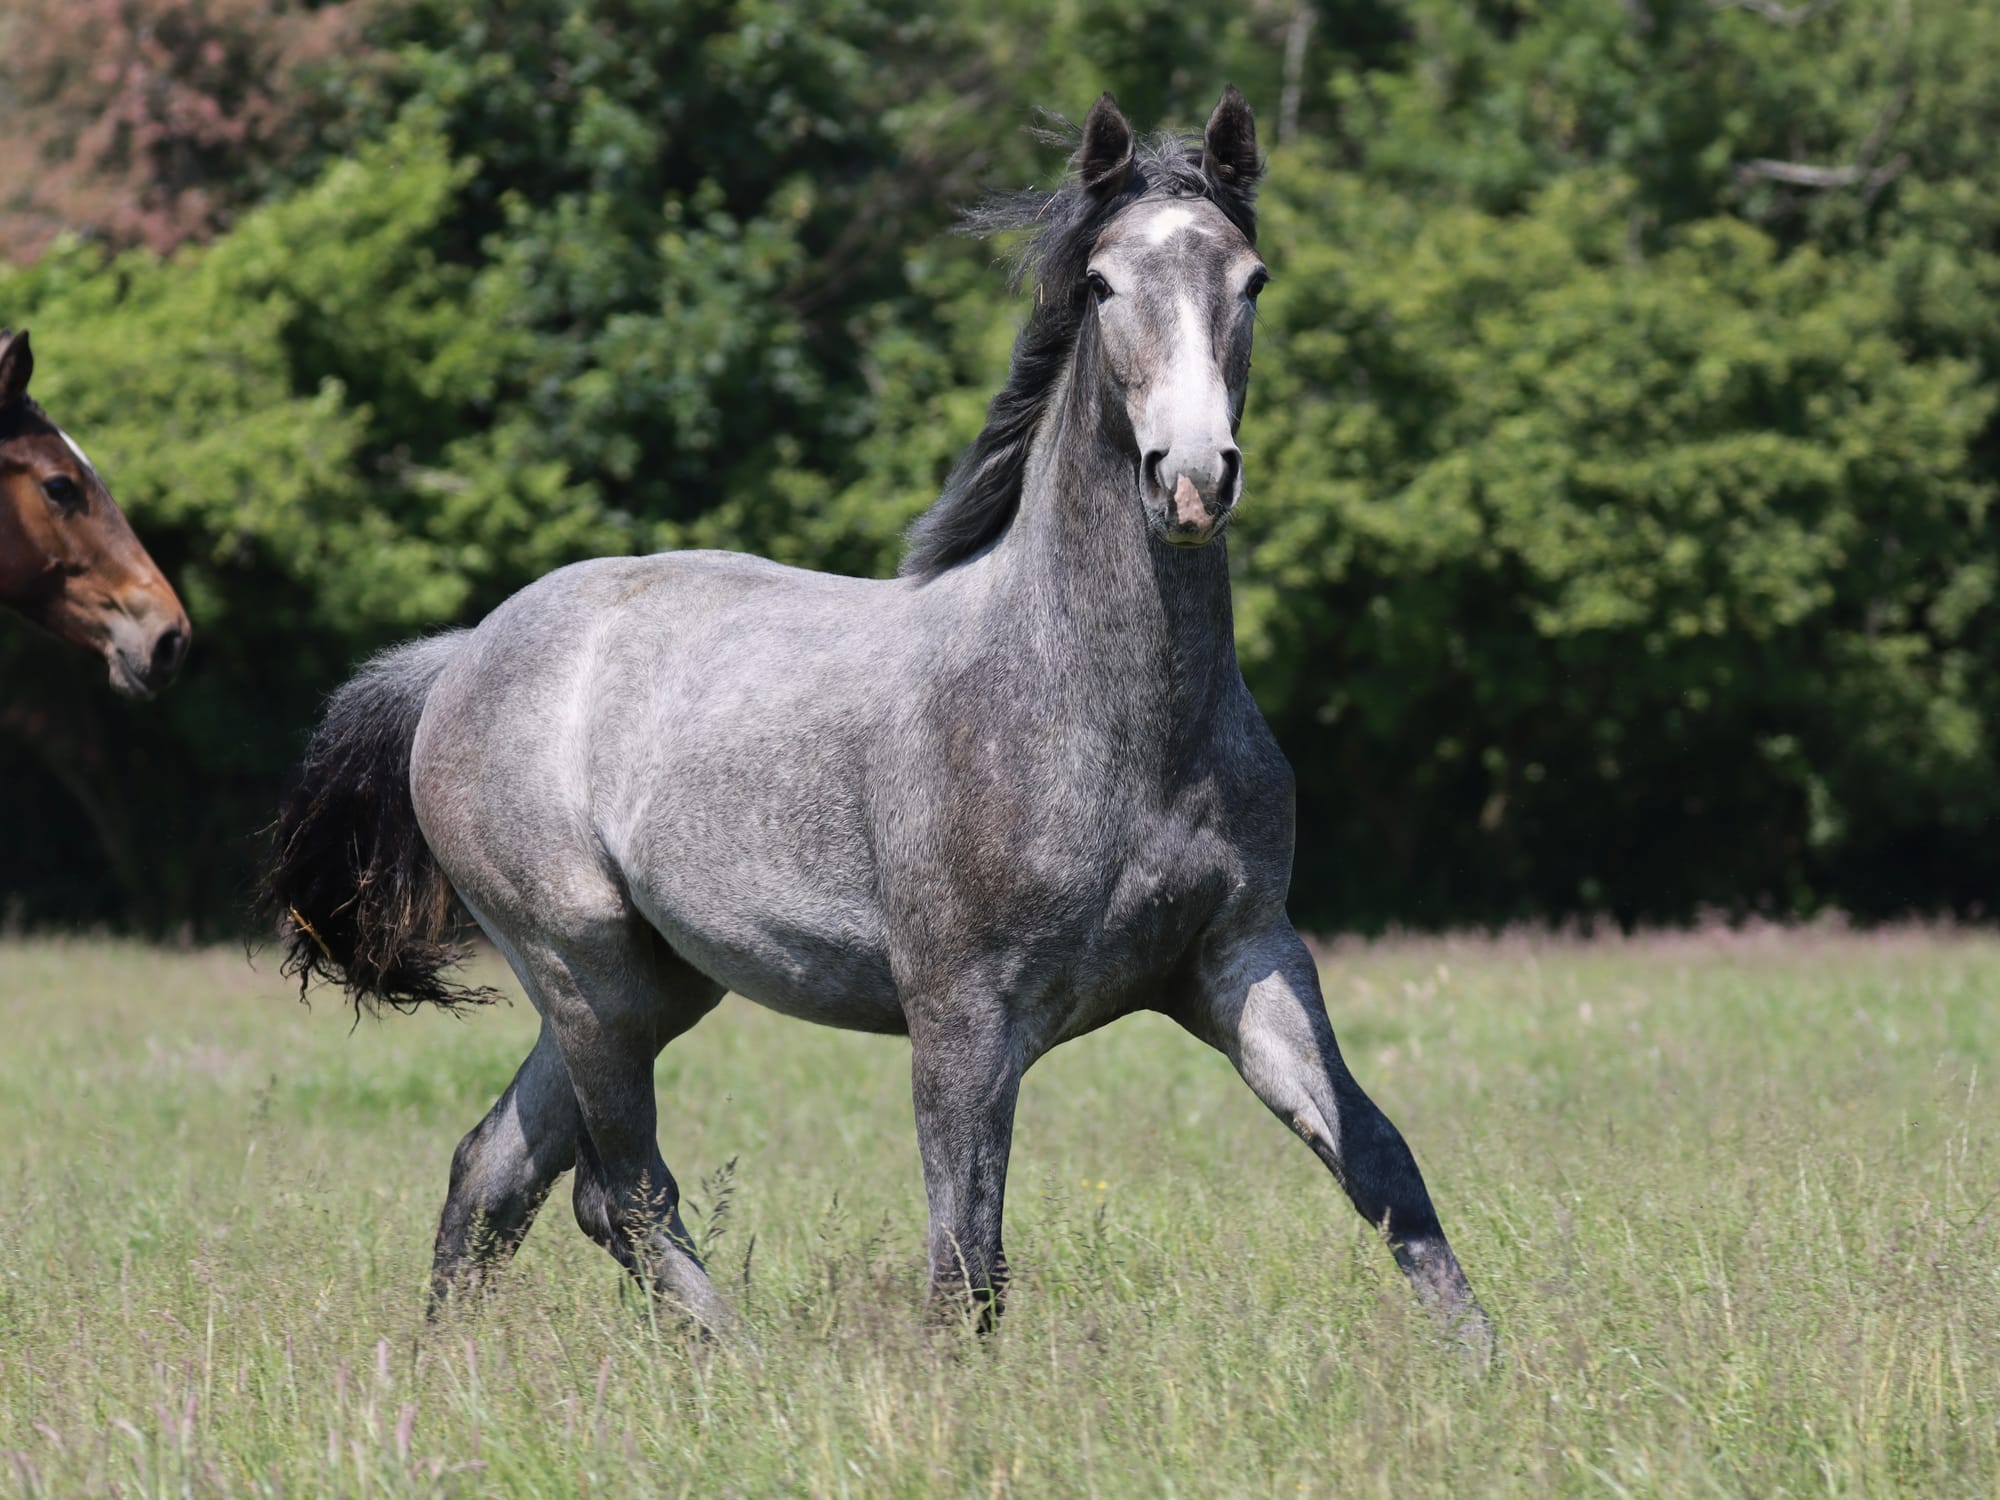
(1733, 1201)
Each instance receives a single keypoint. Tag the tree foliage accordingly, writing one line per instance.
(1621, 449)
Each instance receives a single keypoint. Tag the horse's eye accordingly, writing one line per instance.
(63, 492)
(1258, 281)
(1099, 287)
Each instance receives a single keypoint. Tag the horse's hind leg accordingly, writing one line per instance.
(503, 1169)
(687, 997)
(613, 994)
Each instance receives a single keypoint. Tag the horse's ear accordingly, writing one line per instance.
(17, 364)
(1229, 156)
(1104, 160)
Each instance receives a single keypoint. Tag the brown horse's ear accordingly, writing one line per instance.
(17, 364)
(1104, 160)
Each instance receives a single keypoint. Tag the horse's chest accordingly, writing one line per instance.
(1066, 863)
(1121, 894)
(1118, 950)
(1179, 872)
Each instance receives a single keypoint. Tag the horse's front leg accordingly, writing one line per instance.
(1259, 1003)
(965, 1078)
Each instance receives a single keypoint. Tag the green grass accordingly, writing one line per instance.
(1734, 1203)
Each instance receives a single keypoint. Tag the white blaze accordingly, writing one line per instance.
(81, 457)
(1193, 404)
(1167, 223)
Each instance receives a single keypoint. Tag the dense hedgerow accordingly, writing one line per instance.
(1618, 536)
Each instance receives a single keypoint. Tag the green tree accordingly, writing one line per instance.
(534, 316)
(1622, 449)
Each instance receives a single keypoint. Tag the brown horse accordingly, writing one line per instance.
(68, 559)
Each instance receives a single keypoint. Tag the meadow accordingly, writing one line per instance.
(1732, 1200)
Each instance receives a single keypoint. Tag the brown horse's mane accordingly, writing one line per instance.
(24, 418)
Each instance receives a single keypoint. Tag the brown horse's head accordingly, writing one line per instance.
(68, 558)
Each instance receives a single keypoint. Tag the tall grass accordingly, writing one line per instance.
(1734, 1204)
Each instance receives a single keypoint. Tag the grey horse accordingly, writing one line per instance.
(993, 803)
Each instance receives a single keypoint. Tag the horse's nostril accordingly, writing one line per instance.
(1232, 468)
(168, 651)
(1149, 469)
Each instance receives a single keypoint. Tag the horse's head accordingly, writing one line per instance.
(68, 558)
(1173, 280)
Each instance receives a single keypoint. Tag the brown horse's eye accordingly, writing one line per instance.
(63, 492)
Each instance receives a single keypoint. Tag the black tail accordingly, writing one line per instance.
(351, 887)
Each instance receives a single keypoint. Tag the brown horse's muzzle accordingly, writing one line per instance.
(140, 631)
(144, 653)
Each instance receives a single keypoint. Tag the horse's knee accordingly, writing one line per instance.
(495, 1174)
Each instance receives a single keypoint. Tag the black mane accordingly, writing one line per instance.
(22, 418)
(984, 490)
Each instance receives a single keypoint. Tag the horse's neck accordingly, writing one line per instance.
(1132, 626)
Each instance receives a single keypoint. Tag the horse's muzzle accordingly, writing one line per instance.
(1193, 519)
(141, 667)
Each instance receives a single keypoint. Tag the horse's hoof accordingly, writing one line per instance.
(1474, 1334)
